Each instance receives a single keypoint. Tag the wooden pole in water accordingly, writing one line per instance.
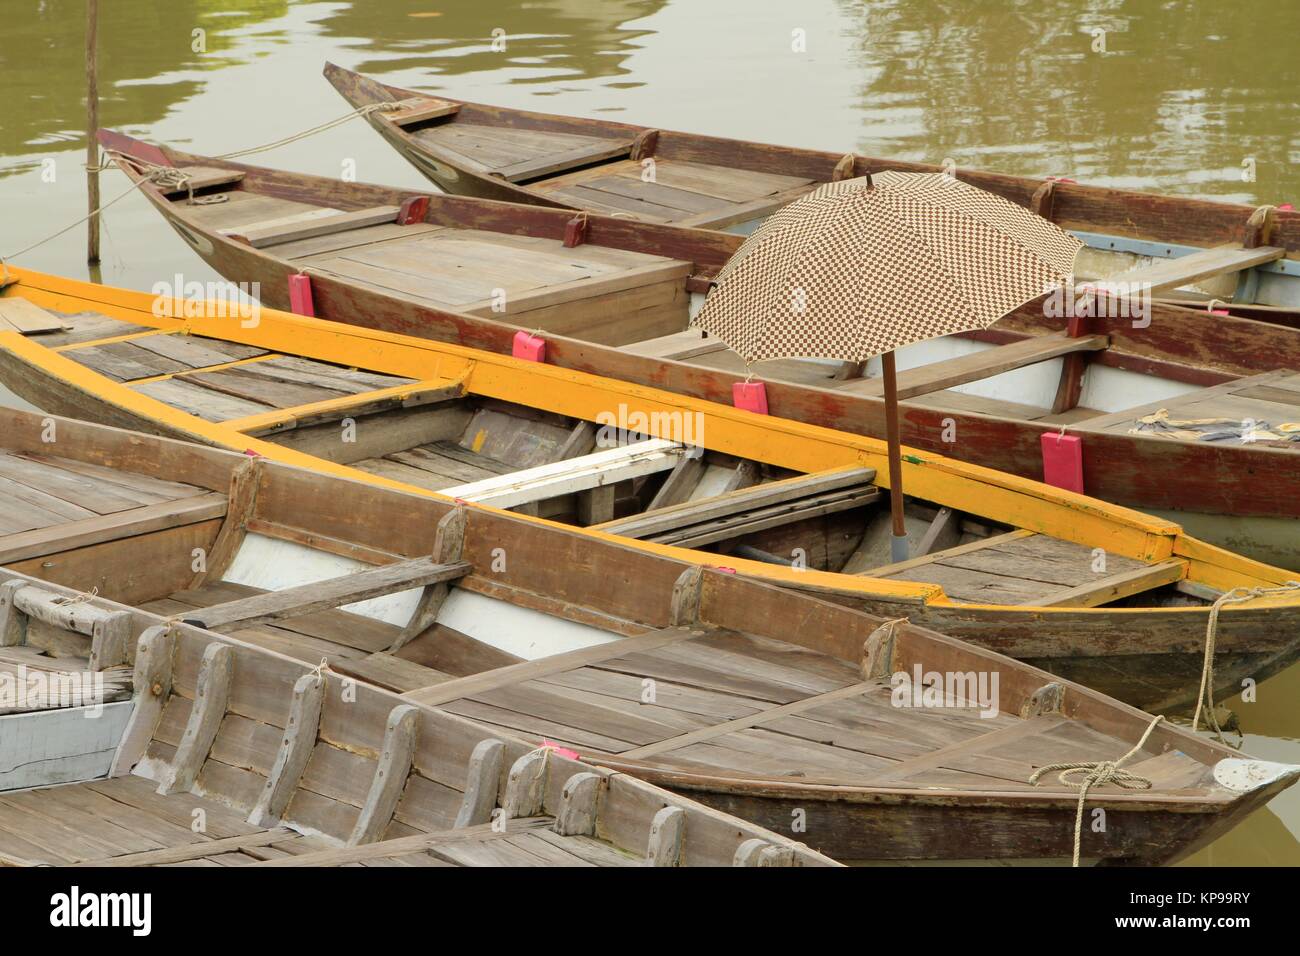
(92, 124)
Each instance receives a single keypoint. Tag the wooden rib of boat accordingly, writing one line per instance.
(666, 176)
(776, 706)
(231, 754)
(1112, 598)
(612, 296)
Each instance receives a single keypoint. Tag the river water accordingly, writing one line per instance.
(1180, 96)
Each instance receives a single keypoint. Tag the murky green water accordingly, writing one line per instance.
(1181, 96)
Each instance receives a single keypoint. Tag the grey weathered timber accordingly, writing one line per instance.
(482, 784)
(210, 696)
(295, 750)
(153, 685)
(666, 832)
(579, 805)
(390, 775)
(330, 593)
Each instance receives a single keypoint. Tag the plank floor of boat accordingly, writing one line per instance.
(123, 821)
(215, 380)
(668, 190)
(722, 701)
(40, 491)
(465, 269)
(1017, 568)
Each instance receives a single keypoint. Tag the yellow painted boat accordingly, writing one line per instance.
(1107, 596)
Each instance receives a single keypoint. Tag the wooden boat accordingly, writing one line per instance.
(687, 179)
(775, 706)
(615, 301)
(1113, 598)
(230, 754)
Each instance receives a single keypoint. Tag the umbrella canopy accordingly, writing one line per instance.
(863, 266)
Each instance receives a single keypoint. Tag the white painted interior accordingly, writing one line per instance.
(46, 747)
(519, 631)
(272, 564)
(1115, 389)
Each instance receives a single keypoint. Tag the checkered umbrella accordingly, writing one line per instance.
(864, 266)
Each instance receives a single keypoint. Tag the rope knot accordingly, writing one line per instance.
(1096, 773)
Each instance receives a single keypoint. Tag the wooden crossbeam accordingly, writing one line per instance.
(560, 162)
(197, 851)
(751, 720)
(677, 517)
(330, 593)
(420, 110)
(1165, 274)
(964, 748)
(544, 666)
(1115, 586)
(676, 346)
(771, 516)
(112, 527)
(27, 318)
(989, 542)
(276, 420)
(938, 376)
(265, 236)
(410, 844)
(574, 475)
(203, 177)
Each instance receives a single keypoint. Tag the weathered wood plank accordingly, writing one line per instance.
(330, 593)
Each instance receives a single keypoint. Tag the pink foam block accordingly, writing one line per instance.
(300, 295)
(529, 347)
(1286, 207)
(1063, 461)
(751, 396)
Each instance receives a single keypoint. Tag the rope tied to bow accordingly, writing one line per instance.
(1205, 697)
(171, 177)
(1096, 773)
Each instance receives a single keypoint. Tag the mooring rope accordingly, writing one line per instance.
(1205, 697)
(170, 176)
(1097, 773)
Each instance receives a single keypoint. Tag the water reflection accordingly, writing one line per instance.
(541, 42)
(1026, 86)
(147, 63)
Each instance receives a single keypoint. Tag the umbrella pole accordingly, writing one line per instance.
(898, 548)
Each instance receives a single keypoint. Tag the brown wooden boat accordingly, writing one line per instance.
(1028, 570)
(230, 754)
(613, 296)
(784, 709)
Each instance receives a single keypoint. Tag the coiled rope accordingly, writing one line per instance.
(1096, 773)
